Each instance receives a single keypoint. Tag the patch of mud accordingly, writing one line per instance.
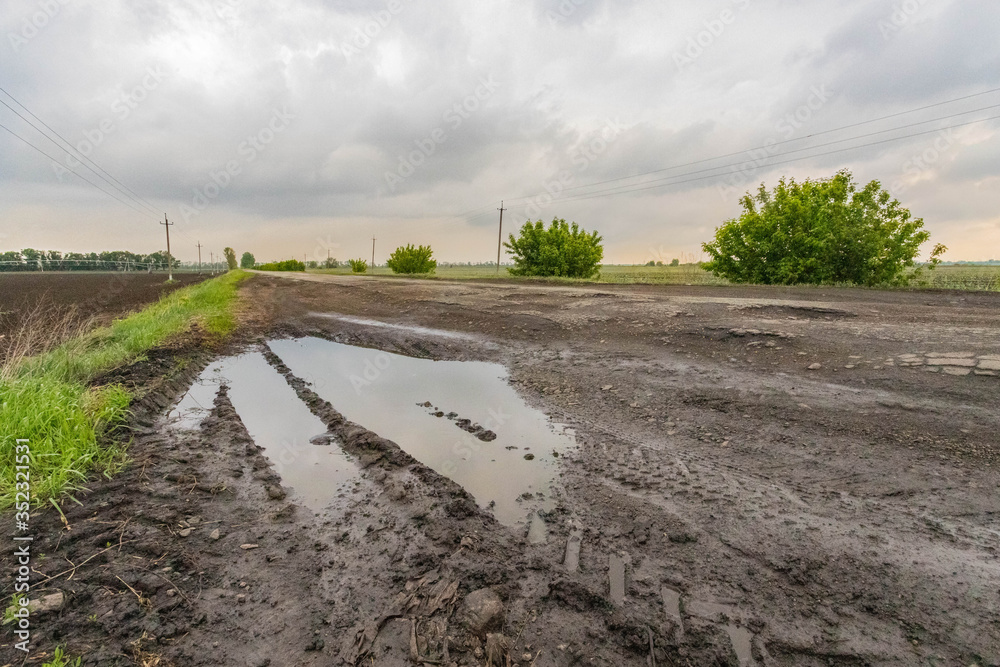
(795, 312)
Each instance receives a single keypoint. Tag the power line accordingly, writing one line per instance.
(621, 190)
(121, 187)
(751, 150)
(110, 194)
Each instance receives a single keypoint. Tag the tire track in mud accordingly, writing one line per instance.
(633, 478)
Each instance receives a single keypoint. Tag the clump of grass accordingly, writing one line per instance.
(60, 659)
(47, 399)
(39, 328)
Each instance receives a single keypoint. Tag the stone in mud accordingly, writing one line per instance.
(47, 604)
(322, 440)
(275, 492)
(481, 611)
(815, 367)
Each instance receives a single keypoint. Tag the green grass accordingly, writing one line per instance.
(60, 659)
(48, 399)
(962, 277)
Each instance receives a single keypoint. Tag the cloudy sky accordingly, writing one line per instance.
(302, 128)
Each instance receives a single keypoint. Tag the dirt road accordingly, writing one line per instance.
(759, 477)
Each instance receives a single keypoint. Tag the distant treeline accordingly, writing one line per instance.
(110, 260)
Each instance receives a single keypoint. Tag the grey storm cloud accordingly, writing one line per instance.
(280, 123)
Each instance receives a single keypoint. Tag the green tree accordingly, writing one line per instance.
(230, 258)
(248, 261)
(330, 263)
(561, 250)
(358, 265)
(675, 262)
(823, 231)
(410, 259)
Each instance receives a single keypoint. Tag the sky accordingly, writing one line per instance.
(304, 129)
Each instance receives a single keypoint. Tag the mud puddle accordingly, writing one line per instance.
(459, 418)
(277, 421)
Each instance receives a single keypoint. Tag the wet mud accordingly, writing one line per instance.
(828, 499)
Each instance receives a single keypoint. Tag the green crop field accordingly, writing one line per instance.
(959, 276)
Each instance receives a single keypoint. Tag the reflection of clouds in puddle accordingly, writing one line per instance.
(277, 421)
(384, 392)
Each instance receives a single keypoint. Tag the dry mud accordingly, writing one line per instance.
(760, 477)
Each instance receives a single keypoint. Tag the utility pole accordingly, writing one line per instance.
(199, 258)
(211, 260)
(373, 254)
(170, 271)
(500, 237)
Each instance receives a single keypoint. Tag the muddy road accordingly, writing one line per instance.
(398, 472)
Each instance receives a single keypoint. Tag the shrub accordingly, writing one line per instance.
(287, 265)
(825, 231)
(247, 261)
(410, 259)
(561, 250)
(358, 265)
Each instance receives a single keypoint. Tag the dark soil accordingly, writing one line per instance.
(844, 515)
(97, 294)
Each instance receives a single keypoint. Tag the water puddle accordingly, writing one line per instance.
(423, 331)
(459, 418)
(276, 420)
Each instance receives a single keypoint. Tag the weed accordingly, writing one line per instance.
(59, 659)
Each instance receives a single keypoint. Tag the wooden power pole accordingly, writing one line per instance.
(199, 258)
(373, 254)
(500, 237)
(170, 270)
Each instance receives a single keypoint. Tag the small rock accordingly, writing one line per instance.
(275, 492)
(529, 457)
(215, 534)
(481, 610)
(241, 599)
(248, 547)
(171, 593)
(321, 440)
(606, 387)
(815, 367)
(47, 603)
(185, 532)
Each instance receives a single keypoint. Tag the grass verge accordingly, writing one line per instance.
(48, 401)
